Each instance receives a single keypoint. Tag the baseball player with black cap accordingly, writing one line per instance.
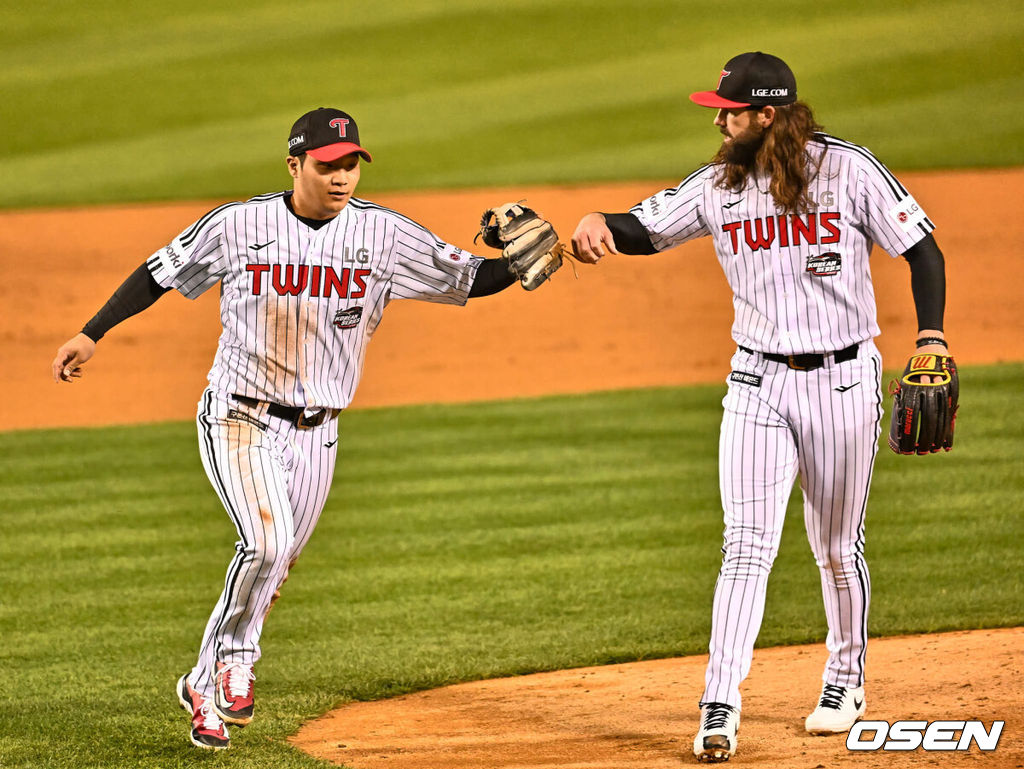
(305, 276)
(793, 213)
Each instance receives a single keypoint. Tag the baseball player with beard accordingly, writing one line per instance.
(793, 213)
(305, 276)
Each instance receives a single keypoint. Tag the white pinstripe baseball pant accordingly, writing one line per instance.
(825, 425)
(273, 480)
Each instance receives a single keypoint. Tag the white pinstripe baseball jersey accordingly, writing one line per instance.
(298, 304)
(800, 283)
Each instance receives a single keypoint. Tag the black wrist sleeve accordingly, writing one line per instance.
(138, 292)
(631, 237)
(927, 282)
(492, 276)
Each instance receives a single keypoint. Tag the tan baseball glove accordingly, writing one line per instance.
(527, 240)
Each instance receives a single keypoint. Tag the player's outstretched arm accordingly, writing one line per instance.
(494, 275)
(138, 292)
(928, 287)
(926, 397)
(618, 233)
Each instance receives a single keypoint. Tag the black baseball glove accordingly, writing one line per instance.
(923, 415)
(528, 241)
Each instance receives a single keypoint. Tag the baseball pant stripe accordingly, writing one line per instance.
(758, 465)
(247, 474)
(273, 483)
(208, 454)
(835, 469)
(825, 424)
(201, 676)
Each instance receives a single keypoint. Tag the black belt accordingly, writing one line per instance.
(294, 414)
(808, 361)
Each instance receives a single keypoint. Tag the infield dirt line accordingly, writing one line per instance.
(628, 322)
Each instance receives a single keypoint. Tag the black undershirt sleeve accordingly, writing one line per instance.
(631, 237)
(491, 277)
(139, 291)
(927, 282)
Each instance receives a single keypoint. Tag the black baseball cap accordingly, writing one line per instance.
(325, 134)
(751, 80)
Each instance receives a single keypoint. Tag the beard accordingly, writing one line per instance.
(741, 151)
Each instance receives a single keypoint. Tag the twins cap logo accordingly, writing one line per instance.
(340, 123)
(723, 76)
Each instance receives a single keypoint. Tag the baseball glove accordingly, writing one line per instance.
(923, 414)
(529, 242)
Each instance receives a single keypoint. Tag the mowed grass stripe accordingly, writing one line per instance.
(195, 102)
(460, 542)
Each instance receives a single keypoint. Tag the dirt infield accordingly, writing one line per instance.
(629, 322)
(643, 715)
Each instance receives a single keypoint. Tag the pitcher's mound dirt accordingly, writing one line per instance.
(643, 715)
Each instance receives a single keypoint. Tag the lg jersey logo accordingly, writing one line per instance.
(911, 735)
(907, 214)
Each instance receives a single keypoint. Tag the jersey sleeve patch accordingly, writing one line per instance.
(171, 258)
(907, 214)
(454, 254)
(653, 207)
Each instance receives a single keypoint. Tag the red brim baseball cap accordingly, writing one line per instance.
(712, 99)
(752, 79)
(332, 152)
(326, 134)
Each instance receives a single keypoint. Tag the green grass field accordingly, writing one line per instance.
(460, 542)
(115, 100)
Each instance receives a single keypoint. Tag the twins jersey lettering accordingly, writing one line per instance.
(801, 283)
(298, 304)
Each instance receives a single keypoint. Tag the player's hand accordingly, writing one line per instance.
(930, 349)
(67, 366)
(591, 238)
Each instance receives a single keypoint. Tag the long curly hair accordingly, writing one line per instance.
(780, 155)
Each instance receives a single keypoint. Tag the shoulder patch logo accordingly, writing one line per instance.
(653, 205)
(171, 258)
(907, 214)
(348, 318)
(827, 264)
